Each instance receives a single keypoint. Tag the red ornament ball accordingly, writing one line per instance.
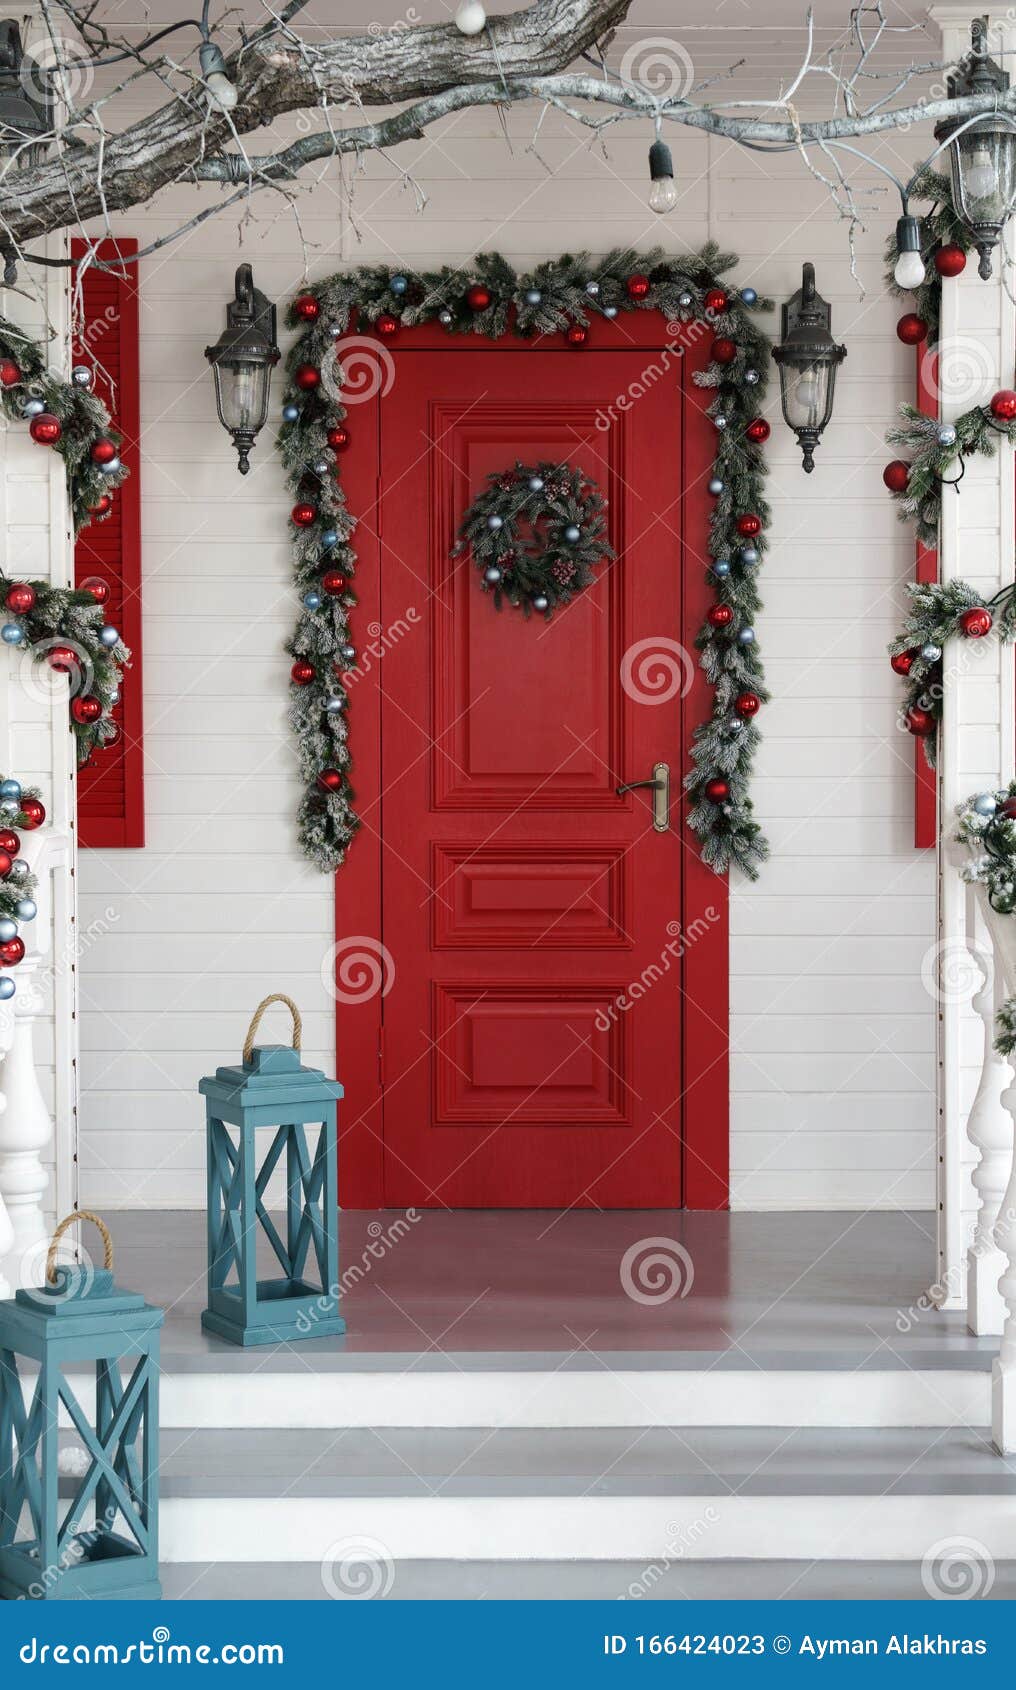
(33, 814)
(717, 791)
(306, 308)
(920, 722)
(976, 622)
(20, 598)
(334, 582)
(1007, 808)
(896, 476)
(716, 301)
(637, 285)
(97, 588)
(758, 431)
(329, 780)
(302, 672)
(308, 377)
(747, 704)
(103, 450)
(46, 429)
(5, 864)
(719, 616)
(576, 334)
(102, 506)
(902, 662)
(86, 710)
(749, 525)
(10, 374)
(63, 658)
(10, 843)
(338, 438)
(387, 325)
(911, 329)
(478, 297)
(303, 515)
(12, 951)
(723, 351)
(950, 260)
(1003, 405)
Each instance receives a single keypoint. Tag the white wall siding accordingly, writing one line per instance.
(833, 1100)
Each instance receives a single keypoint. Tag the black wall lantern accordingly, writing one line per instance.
(242, 361)
(808, 359)
(26, 102)
(982, 157)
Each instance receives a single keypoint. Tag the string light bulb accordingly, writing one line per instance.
(470, 17)
(221, 91)
(663, 189)
(909, 271)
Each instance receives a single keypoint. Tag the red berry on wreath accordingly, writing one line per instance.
(478, 297)
(10, 374)
(637, 285)
(911, 329)
(902, 662)
(302, 672)
(304, 515)
(307, 377)
(33, 814)
(97, 588)
(719, 616)
(920, 722)
(63, 658)
(20, 598)
(717, 791)
(102, 506)
(334, 582)
(306, 308)
(329, 780)
(6, 864)
(723, 351)
(758, 431)
(338, 438)
(103, 450)
(387, 325)
(976, 622)
(749, 525)
(46, 429)
(86, 710)
(747, 704)
(950, 260)
(896, 476)
(1003, 405)
(10, 843)
(716, 301)
(576, 334)
(12, 951)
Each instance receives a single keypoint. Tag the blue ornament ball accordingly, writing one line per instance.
(11, 634)
(290, 413)
(721, 568)
(330, 537)
(749, 296)
(748, 556)
(533, 296)
(572, 534)
(312, 601)
(746, 636)
(7, 987)
(984, 804)
(108, 636)
(26, 908)
(536, 484)
(492, 575)
(494, 523)
(10, 789)
(399, 284)
(112, 468)
(8, 929)
(946, 435)
(716, 486)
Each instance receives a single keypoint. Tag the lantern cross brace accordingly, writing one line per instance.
(114, 1466)
(21, 1430)
(305, 1182)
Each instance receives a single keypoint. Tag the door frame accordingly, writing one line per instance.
(705, 967)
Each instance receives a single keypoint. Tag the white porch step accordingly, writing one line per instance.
(611, 1494)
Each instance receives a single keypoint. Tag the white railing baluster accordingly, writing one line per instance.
(990, 1131)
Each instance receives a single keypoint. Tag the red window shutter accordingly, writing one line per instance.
(111, 801)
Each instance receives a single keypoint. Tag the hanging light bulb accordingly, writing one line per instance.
(663, 191)
(221, 91)
(909, 271)
(982, 177)
(470, 17)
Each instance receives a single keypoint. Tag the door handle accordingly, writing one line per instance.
(660, 784)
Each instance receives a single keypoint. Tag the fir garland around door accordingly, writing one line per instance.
(559, 297)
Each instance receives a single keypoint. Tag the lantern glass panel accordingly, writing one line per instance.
(983, 164)
(807, 393)
(242, 389)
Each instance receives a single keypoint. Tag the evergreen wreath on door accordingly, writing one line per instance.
(536, 535)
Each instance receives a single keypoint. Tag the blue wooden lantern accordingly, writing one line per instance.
(94, 1534)
(271, 1090)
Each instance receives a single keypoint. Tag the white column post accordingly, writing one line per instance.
(1003, 1373)
(990, 1130)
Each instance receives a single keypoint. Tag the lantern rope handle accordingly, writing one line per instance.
(274, 997)
(71, 1220)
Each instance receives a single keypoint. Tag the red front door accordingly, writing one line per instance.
(532, 1025)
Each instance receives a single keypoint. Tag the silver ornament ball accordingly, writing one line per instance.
(746, 636)
(720, 422)
(334, 705)
(946, 435)
(444, 317)
(348, 653)
(931, 652)
(18, 870)
(495, 522)
(533, 296)
(685, 301)
(33, 408)
(572, 534)
(111, 468)
(492, 575)
(7, 986)
(81, 375)
(536, 484)
(8, 929)
(610, 310)
(716, 486)
(321, 466)
(26, 909)
(593, 289)
(541, 602)
(109, 636)
(984, 804)
(751, 377)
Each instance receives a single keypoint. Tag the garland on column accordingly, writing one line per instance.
(21, 811)
(65, 628)
(560, 296)
(987, 825)
(939, 613)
